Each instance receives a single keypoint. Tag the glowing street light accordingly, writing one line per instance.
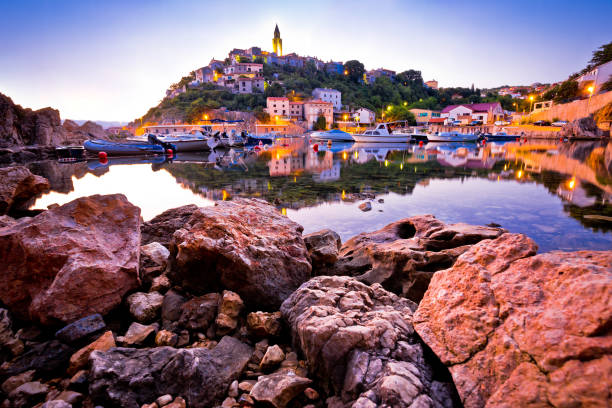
(531, 100)
(405, 103)
(346, 72)
(590, 89)
(389, 107)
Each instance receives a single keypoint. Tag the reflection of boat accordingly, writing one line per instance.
(335, 135)
(500, 136)
(336, 147)
(388, 146)
(124, 149)
(187, 142)
(453, 136)
(383, 133)
(253, 140)
(113, 161)
(70, 153)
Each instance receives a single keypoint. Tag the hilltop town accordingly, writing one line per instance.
(290, 94)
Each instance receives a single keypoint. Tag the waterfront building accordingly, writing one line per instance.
(277, 42)
(313, 109)
(423, 116)
(296, 110)
(277, 106)
(466, 113)
(329, 95)
(363, 115)
(433, 84)
(596, 77)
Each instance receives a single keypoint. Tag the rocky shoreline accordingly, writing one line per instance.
(232, 306)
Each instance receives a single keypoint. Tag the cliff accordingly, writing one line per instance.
(25, 127)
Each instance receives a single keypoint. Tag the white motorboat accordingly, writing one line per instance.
(189, 142)
(335, 135)
(383, 133)
(451, 137)
(232, 140)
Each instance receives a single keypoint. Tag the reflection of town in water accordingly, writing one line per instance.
(473, 183)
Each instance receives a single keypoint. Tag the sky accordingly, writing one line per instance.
(113, 60)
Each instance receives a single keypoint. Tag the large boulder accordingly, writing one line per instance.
(360, 344)
(404, 255)
(519, 329)
(245, 246)
(18, 186)
(583, 128)
(71, 261)
(128, 378)
(161, 228)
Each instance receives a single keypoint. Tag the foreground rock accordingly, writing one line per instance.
(518, 329)
(71, 261)
(360, 344)
(245, 246)
(130, 377)
(404, 255)
(161, 228)
(583, 128)
(323, 247)
(18, 186)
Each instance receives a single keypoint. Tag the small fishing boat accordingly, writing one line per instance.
(125, 149)
(232, 140)
(186, 142)
(335, 135)
(453, 136)
(383, 133)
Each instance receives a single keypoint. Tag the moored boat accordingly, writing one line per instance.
(499, 137)
(335, 135)
(125, 149)
(186, 142)
(383, 133)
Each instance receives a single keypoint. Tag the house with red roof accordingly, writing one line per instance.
(487, 112)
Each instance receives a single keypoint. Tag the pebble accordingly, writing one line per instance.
(365, 206)
(164, 400)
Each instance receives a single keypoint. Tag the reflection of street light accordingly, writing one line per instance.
(205, 117)
(572, 183)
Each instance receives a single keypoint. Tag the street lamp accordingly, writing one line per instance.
(590, 89)
(405, 103)
(531, 105)
(389, 107)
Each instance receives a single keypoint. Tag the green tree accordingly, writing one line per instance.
(602, 55)
(567, 91)
(400, 112)
(275, 90)
(409, 77)
(261, 116)
(320, 124)
(355, 70)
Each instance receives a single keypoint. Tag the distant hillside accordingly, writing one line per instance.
(405, 91)
(104, 123)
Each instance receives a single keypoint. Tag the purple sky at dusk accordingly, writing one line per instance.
(113, 60)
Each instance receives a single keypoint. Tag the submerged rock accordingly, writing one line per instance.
(18, 186)
(132, 377)
(404, 255)
(360, 344)
(518, 329)
(71, 261)
(245, 246)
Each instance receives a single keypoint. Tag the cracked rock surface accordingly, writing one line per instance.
(360, 344)
(404, 255)
(519, 329)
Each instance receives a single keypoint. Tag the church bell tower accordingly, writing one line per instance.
(277, 42)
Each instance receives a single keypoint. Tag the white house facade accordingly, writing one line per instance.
(328, 95)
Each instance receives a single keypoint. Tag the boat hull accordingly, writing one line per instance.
(191, 145)
(334, 137)
(122, 149)
(382, 138)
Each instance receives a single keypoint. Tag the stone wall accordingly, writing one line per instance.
(574, 110)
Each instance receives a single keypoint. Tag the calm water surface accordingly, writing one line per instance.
(560, 194)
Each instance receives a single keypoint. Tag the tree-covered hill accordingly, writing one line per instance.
(407, 90)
